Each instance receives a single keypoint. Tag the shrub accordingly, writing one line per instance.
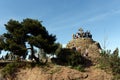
(111, 61)
(70, 58)
(10, 69)
(104, 61)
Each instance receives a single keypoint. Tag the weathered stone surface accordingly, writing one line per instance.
(86, 46)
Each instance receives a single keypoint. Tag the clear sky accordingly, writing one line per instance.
(65, 17)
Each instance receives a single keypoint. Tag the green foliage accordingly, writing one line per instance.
(70, 57)
(29, 31)
(79, 68)
(111, 62)
(104, 60)
(116, 77)
(115, 64)
(10, 69)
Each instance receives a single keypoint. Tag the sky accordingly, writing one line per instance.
(64, 17)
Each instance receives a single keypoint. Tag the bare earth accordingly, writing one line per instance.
(55, 72)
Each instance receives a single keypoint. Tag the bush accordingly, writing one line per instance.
(70, 58)
(104, 61)
(115, 64)
(10, 69)
(111, 62)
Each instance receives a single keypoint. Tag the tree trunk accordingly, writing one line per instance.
(32, 54)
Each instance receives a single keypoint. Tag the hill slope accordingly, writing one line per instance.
(81, 42)
(55, 72)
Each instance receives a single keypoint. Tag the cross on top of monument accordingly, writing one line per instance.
(82, 34)
(81, 30)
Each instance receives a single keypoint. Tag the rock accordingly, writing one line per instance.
(86, 46)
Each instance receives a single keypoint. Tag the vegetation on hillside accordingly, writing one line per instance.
(32, 33)
(111, 62)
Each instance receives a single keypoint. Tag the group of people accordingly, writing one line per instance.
(82, 34)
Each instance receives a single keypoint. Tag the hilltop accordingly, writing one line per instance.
(84, 44)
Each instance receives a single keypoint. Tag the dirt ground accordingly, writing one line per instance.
(56, 72)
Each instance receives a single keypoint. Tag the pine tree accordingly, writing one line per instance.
(28, 32)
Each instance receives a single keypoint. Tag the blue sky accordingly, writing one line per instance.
(65, 17)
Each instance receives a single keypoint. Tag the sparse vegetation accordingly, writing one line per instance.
(69, 57)
(10, 69)
(111, 62)
(79, 68)
(31, 32)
